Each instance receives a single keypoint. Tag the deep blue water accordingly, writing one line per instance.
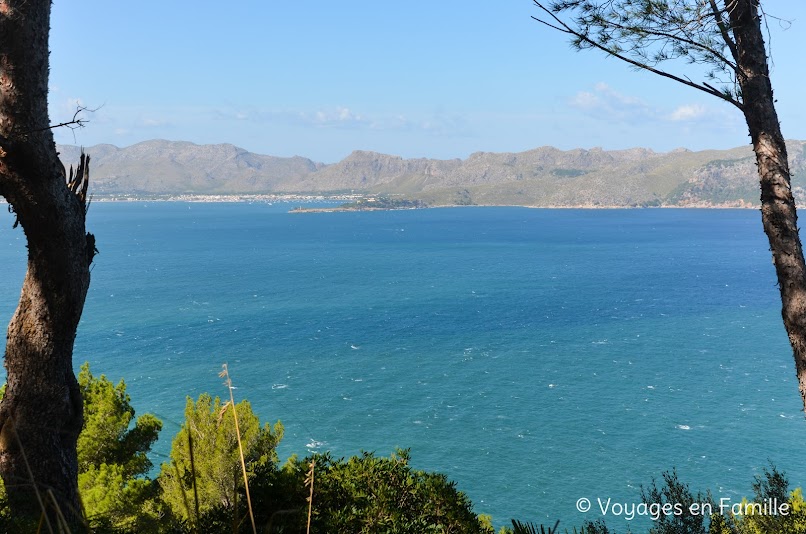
(535, 356)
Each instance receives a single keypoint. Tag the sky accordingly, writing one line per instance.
(422, 78)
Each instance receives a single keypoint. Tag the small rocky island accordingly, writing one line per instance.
(368, 204)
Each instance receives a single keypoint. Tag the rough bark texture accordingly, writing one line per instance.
(777, 203)
(41, 412)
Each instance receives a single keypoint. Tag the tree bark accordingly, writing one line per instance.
(778, 212)
(41, 411)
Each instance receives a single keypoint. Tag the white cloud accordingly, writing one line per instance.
(346, 118)
(608, 104)
(153, 123)
(585, 100)
(340, 117)
(688, 112)
(447, 125)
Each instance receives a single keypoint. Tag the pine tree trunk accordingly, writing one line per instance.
(41, 411)
(777, 203)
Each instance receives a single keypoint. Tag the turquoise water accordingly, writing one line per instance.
(535, 356)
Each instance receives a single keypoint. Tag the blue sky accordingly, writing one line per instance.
(423, 78)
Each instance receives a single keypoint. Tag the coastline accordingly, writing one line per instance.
(271, 198)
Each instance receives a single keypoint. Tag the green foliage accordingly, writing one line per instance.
(464, 198)
(597, 527)
(112, 456)
(383, 203)
(215, 469)
(770, 488)
(588, 527)
(568, 173)
(531, 528)
(675, 493)
(728, 163)
(115, 500)
(107, 436)
(368, 494)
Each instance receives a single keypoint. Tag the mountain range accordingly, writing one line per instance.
(544, 176)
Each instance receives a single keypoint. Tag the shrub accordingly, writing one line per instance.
(215, 468)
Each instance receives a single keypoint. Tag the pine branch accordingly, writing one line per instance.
(581, 38)
(670, 36)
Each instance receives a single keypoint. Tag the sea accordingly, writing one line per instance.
(539, 358)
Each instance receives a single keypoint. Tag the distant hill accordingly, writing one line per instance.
(544, 176)
(164, 167)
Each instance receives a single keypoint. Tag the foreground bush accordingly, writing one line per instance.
(205, 459)
(362, 494)
(369, 494)
(112, 456)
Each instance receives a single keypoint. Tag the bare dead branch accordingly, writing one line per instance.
(79, 182)
(75, 123)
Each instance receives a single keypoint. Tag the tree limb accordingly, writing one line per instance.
(565, 28)
(670, 36)
(724, 31)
